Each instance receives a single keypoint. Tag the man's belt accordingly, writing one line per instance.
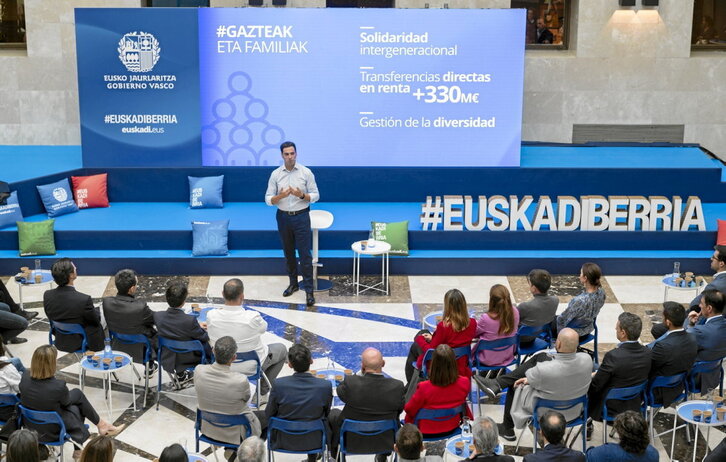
(295, 212)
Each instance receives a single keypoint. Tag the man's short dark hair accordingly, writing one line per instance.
(631, 324)
(541, 279)
(409, 442)
(714, 298)
(675, 313)
(225, 349)
(721, 252)
(124, 280)
(299, 357)
(553, 426)
(287, 144)
(62, 270)
(233, 289)
(176, 294)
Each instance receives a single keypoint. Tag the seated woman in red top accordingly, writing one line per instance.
(456, 329)
(444, 389)
(500, 321)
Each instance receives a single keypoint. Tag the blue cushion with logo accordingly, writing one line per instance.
(58, 198)
(10, 213)
(209, 238)
(205, 192)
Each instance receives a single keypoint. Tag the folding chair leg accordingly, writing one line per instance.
(519, 439)
(214, 451)
(673, 436)
(604, 430)
(136, 373)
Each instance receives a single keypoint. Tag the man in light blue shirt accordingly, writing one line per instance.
(292, 189)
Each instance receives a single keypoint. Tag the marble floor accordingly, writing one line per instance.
(337, 330)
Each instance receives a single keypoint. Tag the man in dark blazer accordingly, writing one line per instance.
(368, 396)
(552, 429)
(300, 396)
(6, 298)
(709, 330)
(673, 353)
(125, 314)
(174, 324)
(65, 304)
(627, 365)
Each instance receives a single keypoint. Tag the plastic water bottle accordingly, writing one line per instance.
(465, 430)
(676, 269)
(107, 351)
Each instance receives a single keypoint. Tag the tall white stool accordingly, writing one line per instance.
(319, 219)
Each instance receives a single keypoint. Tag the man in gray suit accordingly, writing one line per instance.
(542, 308)
(226, 392)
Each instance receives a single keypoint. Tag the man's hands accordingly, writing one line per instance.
(291, 191)
(521, 382)
(693, 317)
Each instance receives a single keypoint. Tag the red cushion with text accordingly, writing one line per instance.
(721, 235)
(90, 191)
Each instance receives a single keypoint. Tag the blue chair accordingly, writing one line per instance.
(441, 415)
(221, 421)
(591, 337)
(501, 344)
(258, 375)
(8, 400)
(136, 339)
(177, 347)
(701, 367)
(47, 418)
(373, 428)
(621, 394)
(295, 427)
(560, 406)
(669, 381)
(542, 341)
(458, 353)
(65, 328)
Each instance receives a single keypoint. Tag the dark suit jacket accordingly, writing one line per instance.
(490, 458)
(718, 454)
(7, 299)
(711, 339)
(370, 397)
(545, 36)
(555, 452)
(672, 355)
(625, 366)
(126, 315)
(174, 324)
(299, 397)
(65, 304)
(718, 283)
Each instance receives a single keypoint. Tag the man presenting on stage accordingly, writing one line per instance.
(292, 189)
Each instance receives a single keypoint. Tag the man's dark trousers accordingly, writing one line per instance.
(295, 233)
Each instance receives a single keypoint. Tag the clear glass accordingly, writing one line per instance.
(676, 269)
(37, 264)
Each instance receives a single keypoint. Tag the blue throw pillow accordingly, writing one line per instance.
(10, 213)
(58, 198)
(205, 192)
(209, 237)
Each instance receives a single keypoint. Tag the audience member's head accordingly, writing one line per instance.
(99, 449)
(455, 314)
(486, 435)
(409, 442)
(443, 371)
(23, 446)
(63, 272)
(225, 350)
(673, 315)
(372, 361)
(252, 449)
(500, 307)
(632, 430)
(299, 358)
(176, 294)
(540, 279)
(173, 453)
(125, 281)
(567, 341)
(540, 23)
(43, 362)
(718, 259)
(590, 273)
(553, 426)
(630, 325)
(233, 291)
(712, 302)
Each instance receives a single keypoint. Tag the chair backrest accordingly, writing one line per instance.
(372, 428)
(535, 331)
(699, 368)
(8, 399)
(578, 323)
(182, 346)
(665, 381)
(501, 344)
(561, 405)
(66, 328)
(244, 356)
(625, 394)
(439, 415)
(295, 427)
(44, 418)
(133, 339)
(222, 421)
(458, 353)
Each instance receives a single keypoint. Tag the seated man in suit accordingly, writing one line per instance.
(175, 324)
(368, 396)
(627, 365)
(300, 396)
(409, 445)
(673, 353)
(65, 304)
(486, 439)
(7, 299)
(224, 391)
(125, 314)
(542, 308)
(709, 330)
(552, 425)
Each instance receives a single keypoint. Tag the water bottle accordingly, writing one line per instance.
(465, 430)
(371, 238)
(676, 269)
(107, 351)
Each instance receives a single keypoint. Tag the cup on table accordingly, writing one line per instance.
(348, 371)
(38, 278)
(689, 274)
(721, 413)
(707, 416)
(321, 376)
(196, 309)
(459, 447)
(677, 282)
(471, 449)
(363, 245)
(313, 371)
(439, 318)
(718, 401)
(107, 363)
(95, 360)
(697, 413)
(119, 360)
(339, 377)
(89, 355)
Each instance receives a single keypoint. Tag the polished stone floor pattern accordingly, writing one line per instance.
(337, 330)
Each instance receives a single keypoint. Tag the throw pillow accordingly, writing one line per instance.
(209, 238)
(721, 234)
(10, 213)
(90, 191)
(36, 238)
(395, 234)
(57, 198)
(205, 192)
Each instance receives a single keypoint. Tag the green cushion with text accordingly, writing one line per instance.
(395, 234)
(36, 238)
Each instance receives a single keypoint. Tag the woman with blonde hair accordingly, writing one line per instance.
(456, 329)
(499, 322)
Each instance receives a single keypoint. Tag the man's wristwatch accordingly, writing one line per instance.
(303, 196)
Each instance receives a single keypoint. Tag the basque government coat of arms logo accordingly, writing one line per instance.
(138, 51)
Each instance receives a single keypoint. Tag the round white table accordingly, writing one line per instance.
(88, 366)
(669, 284)
(685, 412)
(319, 219)
(47, 279)
(378, 248)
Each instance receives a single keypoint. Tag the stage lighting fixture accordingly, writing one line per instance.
(627, 2)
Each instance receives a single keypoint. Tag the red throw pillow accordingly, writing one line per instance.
(90, 191)
(721, 235)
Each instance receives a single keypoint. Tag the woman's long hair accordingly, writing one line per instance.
(455, 313)
(500, 306)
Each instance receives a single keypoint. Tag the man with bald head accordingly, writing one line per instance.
(368, 395)
(563, 375)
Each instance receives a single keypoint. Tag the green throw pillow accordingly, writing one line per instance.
(36, 238)
(395, 234)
